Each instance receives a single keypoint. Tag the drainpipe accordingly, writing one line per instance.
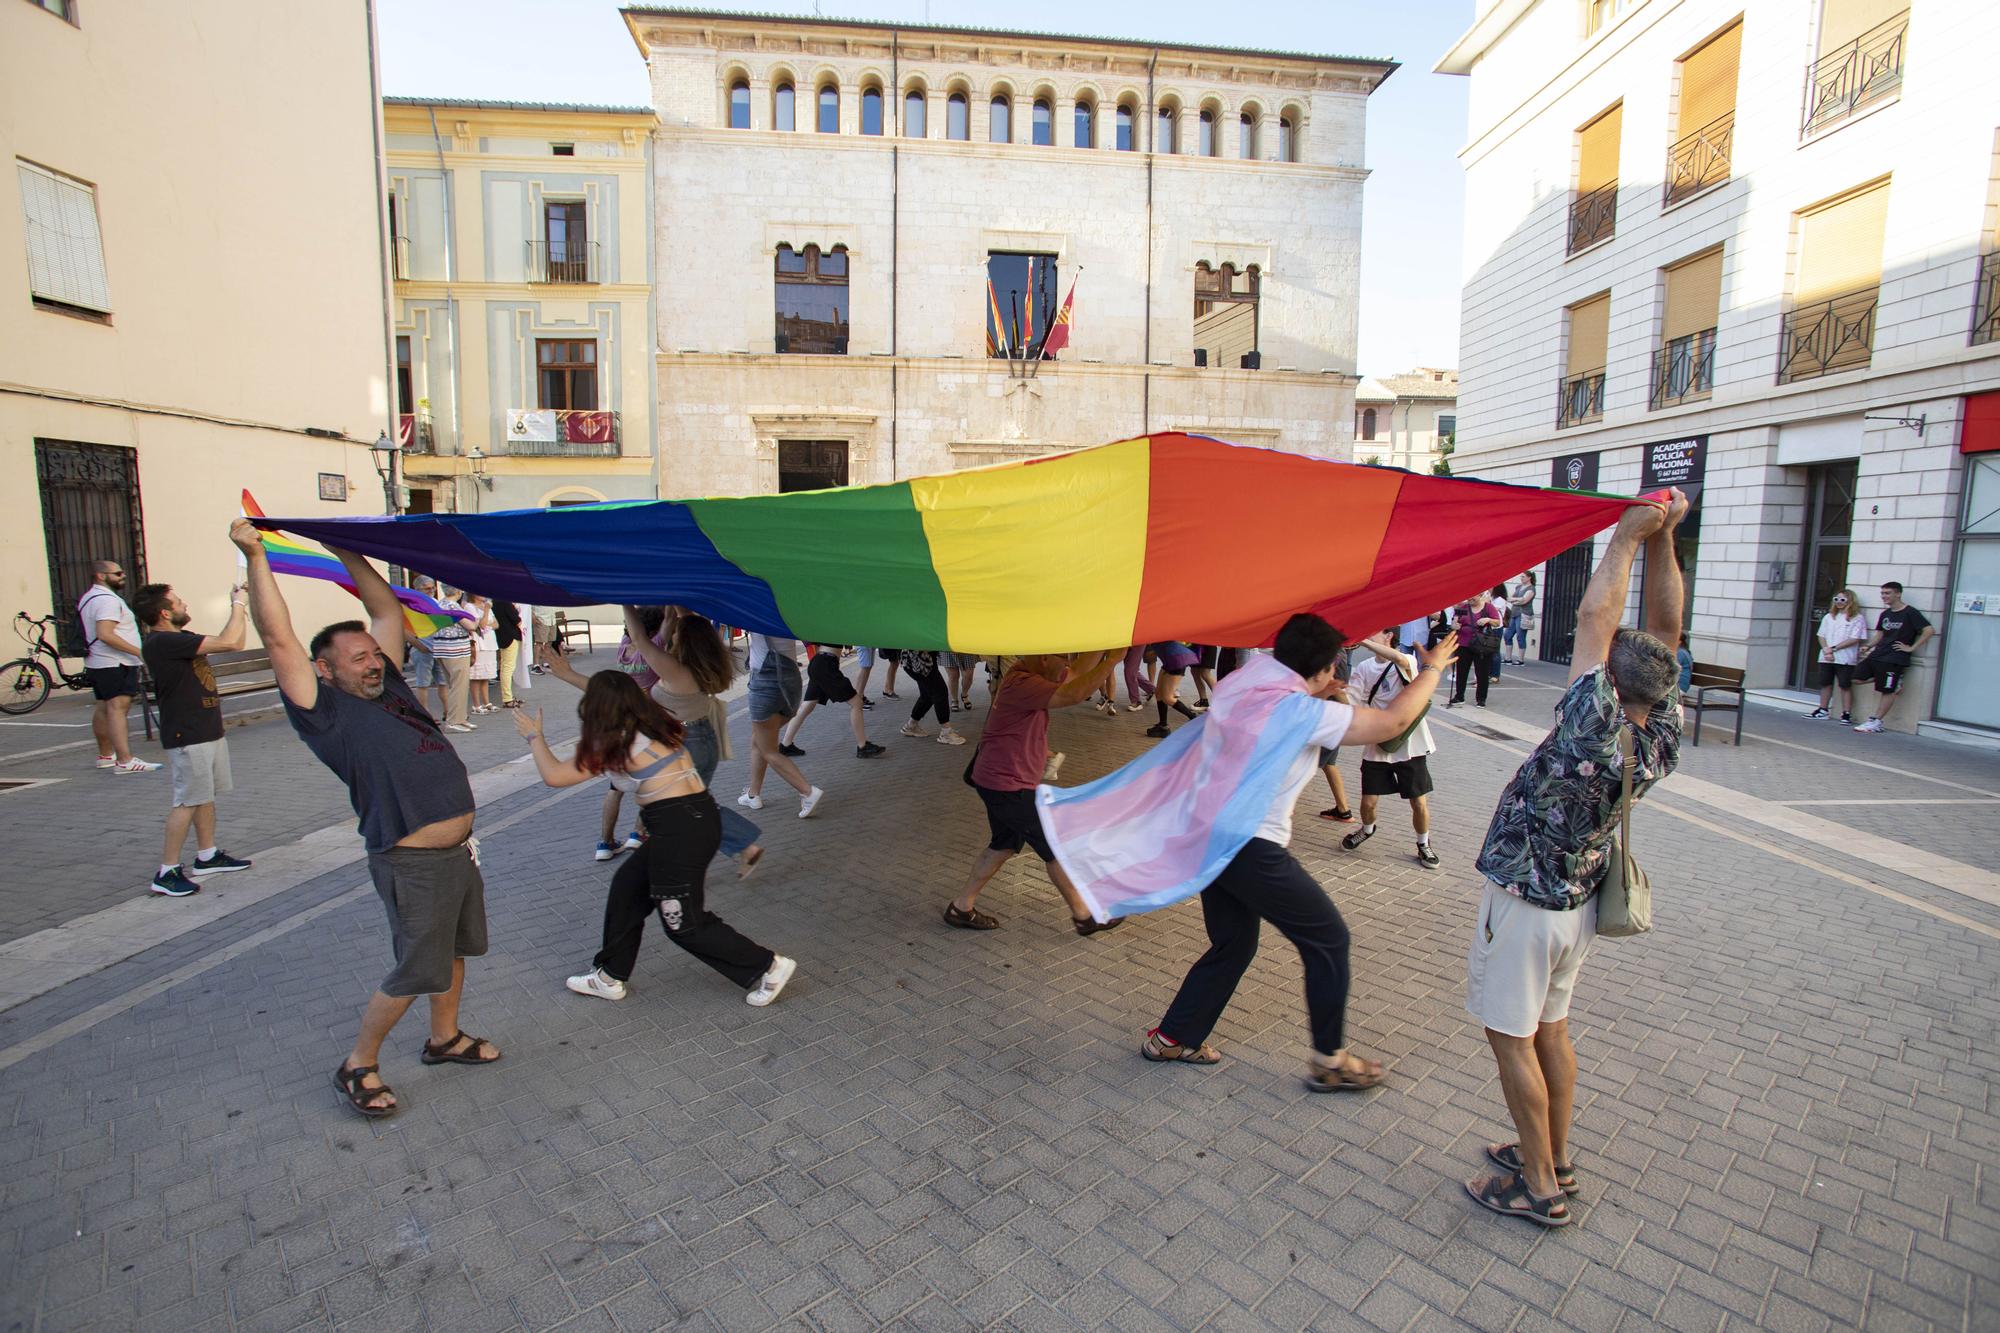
(392, 484)
(450, 300)
(1152, 149)
(895, 117)
(653, 323)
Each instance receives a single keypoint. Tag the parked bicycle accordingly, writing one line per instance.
(25, 682)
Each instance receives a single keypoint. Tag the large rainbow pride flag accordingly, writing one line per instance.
(424, 615)
(1169, 536)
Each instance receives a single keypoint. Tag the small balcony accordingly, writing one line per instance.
(536, 433)
(1986, 304)
(1700, 160)
(1580, 399)
(1684, 370)
(413, 433)
(1593, 217)
(562, 261)
(1849, 79)
(1827, 337)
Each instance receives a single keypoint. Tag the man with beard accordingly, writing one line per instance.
(190, 729)
(348, 702)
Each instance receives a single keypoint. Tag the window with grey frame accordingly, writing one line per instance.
(811, 292)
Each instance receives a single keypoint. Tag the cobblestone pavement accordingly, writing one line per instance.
(1786, 1114)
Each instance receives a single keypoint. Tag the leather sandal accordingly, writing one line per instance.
(972, 920)
(360, 1097)
(1161, 1051)
(1511, 1196)
(1091, 925)
(1350, 1075)
(441, 1053)
(1507, 1156)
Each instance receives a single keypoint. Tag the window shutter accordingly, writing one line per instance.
(1708, 81)
(1840, 246)
(1589, 329)
(65, 251)
(1842, 21)
(1694, 294)
(1597, 166)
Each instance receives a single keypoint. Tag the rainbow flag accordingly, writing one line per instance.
(1167, 536)
(288, 555)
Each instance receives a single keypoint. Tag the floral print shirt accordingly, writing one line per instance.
(1550, 839)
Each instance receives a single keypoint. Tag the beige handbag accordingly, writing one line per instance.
(1625, 902)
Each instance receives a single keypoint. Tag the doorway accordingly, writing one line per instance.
(90, 512)
(811, 465)
(1829, 526)
(1565, 577)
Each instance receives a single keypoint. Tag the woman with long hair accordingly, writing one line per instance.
(638, 744)
(776, 690)
(1520, 619)
(1842, 631)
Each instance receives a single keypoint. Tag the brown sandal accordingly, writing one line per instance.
(441, 1053)
(1160, 1051)
(972, 920)
(361, 1097)
(747, 865)
(1090, 925)
(1351, 1075)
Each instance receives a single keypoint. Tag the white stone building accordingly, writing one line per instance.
(1405, 420)
(857, 223)
(1780, 282)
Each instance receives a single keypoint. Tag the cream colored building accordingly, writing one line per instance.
(523, 267)
(1404, 420)
(834, 200)
(192, 291)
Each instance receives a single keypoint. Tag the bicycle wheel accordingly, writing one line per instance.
(24, 683)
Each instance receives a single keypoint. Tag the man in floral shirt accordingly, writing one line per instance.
(1547, 850)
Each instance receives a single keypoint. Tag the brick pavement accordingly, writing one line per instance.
(1786, 1114)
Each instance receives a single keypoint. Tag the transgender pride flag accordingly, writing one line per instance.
(1163, 827)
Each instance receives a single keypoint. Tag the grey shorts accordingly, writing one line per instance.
(421, 671)
(775, 689)
(436, 902)
(200, 772)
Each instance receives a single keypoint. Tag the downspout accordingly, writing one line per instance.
(653, 322)
(895, 227)
(1152, 149)
(391, 498)
(450, 300)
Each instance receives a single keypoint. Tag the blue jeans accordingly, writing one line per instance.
(421, 671)
(705, 750)
(1514, 634)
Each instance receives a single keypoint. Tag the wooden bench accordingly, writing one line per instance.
(1716, 689)
(246, 672)
(568, 631)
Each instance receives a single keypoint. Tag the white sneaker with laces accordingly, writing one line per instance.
(912, 729)
(806, 807)
(141, 766)
(946, 736)
(772, 982)
(1872, 725)
(749, 802)
(594, 982)
(107, 761)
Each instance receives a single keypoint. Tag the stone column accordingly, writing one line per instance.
(1063, 132)
(1267, 137)
(760, 103)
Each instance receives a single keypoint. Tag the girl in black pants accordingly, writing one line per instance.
(922, 669)
(637, 744)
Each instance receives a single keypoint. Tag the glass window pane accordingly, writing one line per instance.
(1045, 124)
(739, 107)
(1163, 136)
(956, 126)
(871, 111)
(1020, 302)
(1124, 129)
(1982, 497)
(1086, 125)
(1206, 147)
(1965, 685)
(1246, 136)
(1285, 141)
(1000, 128)
(829, 111)
(833, 264)
(790, 260)
(783, 117)
(914, 107)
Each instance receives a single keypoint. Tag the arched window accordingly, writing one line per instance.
(1206, 146)
(1163, 136)
(956, 124)
(1086, 123)
(1045, 123)
(1125, 119)
(871, 110)
(739, 105)
(1000, 123)
(1368, 424)
(829, 110)
(1288, 140)
(1246, 136)
(811, 309)
(783, 108)
(915, 105)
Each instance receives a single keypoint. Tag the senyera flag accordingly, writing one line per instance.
(422, 614)
(1168, 536)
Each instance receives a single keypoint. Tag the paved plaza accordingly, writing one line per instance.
(1786, 1115)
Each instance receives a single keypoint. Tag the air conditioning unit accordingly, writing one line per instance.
(784, 342)
(1201, 356)
(1253, 360)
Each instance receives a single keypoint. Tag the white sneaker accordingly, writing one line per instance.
(772, 982)
(749, 802)
(946, 736)
(1053, 766)
(141, 766)
(460, 726)
(806, 807)
(912, 729)
(594, 982)
(1872, 725)
(107, 761)
(1107, 708)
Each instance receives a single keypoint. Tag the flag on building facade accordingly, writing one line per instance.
(532, 425)
(997, 341)
(1059, 331)
(582, 427)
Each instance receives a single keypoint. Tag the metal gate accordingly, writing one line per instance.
(90, 512)
(1568, 574)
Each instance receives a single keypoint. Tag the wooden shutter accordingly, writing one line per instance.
(1840, 246)
(1694, 294)
(1708, 81)
(1841, 21)
(1597, 164)
(65, 252)
(1589, 328)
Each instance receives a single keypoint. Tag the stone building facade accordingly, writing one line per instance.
(861, 228)
(1406, 420)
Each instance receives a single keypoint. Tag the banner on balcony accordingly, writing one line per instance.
(1168, 536)
(585, 427)
(531, 426)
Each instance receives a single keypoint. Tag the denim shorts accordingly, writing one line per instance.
(775, 689)
(421, 671)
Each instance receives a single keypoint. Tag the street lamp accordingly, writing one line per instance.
(384, 453)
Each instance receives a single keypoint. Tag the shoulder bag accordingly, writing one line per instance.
(1625, 902)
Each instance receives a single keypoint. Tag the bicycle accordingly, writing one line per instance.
(25, 682)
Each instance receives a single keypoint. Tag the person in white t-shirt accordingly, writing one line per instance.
(1842, 631)
(1404, 770)
(112, 664)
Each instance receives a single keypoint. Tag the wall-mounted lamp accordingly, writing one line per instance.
(477, 456)
(383, 454)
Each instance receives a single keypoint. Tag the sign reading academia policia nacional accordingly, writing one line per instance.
(1683, 463)
(1574, 472)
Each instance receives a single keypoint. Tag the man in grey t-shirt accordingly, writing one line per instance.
(347, 700)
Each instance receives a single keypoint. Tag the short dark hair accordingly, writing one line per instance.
(1308, 644)
(1891, 583)
(150, 603)
(324, 639)
(1642, 668)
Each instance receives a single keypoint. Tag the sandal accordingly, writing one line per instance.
(746, 866)
(1091, 925)
(360, 1097)
(1351, 1075)
(1507, 1156)
(441, 1053)
(973, 920)
(1163, 1052)
(1510, 1195)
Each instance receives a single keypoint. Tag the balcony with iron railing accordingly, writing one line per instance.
(579, 433)
(1826, 337)
(413, 433)
(1684, 370)
(1580, 398)
(1699, 160)
(1593, 217)
(1986, 303)
(1851, 78)
(562, 261)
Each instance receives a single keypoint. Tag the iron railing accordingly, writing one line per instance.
(1700, 159)
(1827, 336)
(1593, 217)
(413, 433)
(582, 433)
(1855, 76)
(1580, 398)
(562, 261)
(1986, 304)
(1684, 370)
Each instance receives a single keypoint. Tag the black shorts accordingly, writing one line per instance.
(119, 682)
(1015, 821)
(826, 683)
(1409, 779)
(1836, 673)
(1209, 656)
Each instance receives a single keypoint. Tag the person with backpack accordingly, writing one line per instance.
(1399, 765)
